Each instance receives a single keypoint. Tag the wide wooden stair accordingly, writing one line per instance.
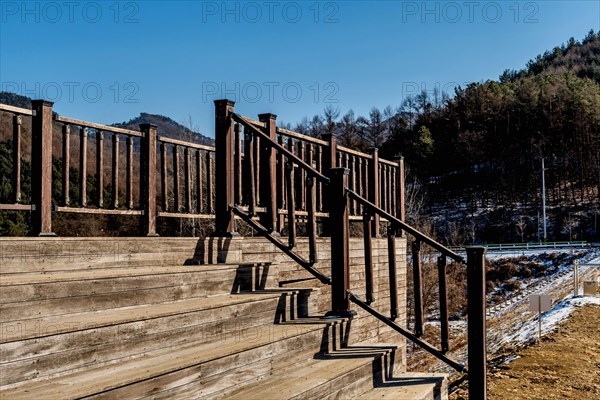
(152, 329)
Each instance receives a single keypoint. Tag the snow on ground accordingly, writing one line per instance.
(528, 331)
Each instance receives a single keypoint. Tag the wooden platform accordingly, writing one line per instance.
(81, 320)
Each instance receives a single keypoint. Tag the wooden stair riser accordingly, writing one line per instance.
(95, 345)
(216, 378)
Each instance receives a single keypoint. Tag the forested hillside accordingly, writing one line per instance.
(479, 150)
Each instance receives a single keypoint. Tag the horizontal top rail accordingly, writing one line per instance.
(355, 152)
(256, 123)
(310, 170)
(393, 220)
(388, 162)
(100, 127)
(300, 136)
(17, 110)
(165, 139)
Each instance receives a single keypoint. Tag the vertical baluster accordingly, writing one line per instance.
(291, 209)
(17, 123)
(66, 161)
(198, 182)
(373, 188)
(188, 179)
(394, 200)
(209, 184)
(368, 243)
(392, 272)
(311, 200)
(100, 167)
(257, 168)
(251, 176)
(359, 183)
(129, 188)
(176, 178)
(443, 303)
(281, 192)
(237, 164)
(164, 178)
(115, 171)
(353, 165)
(390, 189)
(248, 170)
(400, 213)
(418, 288)
(308, 156)
(300, 176)
(319, 159)
(83, 135)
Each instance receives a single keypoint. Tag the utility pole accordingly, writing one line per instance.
(544, 199)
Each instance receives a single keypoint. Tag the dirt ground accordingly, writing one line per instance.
(566, 365)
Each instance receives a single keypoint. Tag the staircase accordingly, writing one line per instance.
(190, 319)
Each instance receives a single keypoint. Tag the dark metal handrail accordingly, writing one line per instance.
(307, 265)
(404, 226)
(421, 343)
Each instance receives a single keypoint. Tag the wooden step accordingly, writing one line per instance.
(189, 365)
(339, 374)
(410, 386)
(27, 295)
(58, 344)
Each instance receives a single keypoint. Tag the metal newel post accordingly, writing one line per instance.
(373, 189)
(41, 167)
(148, 178)
(269, 187)
(476, 323)
(417, 287)
(441, 263)
(340, 242)
(224, 168)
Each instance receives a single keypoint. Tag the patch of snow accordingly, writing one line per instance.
(550, 319)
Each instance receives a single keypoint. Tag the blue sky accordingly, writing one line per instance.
(107, 61)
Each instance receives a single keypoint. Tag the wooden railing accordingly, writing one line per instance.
(264, 180)
(118, 171)
(349, 183)
(18, 119)
(257, 171)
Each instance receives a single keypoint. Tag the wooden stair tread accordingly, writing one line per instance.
(107, 273)
(94, 319)
(409, 386)
(297, 379)
(124, 372)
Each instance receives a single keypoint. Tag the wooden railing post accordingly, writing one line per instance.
(340, 242)
(268, 186)
(148, 178)
(329, 159)
(417, 287)
(476, 323)
(373, 189)
(400, 193)
(41, 167)
(224, 168)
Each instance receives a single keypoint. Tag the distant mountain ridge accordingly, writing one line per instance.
(165, 125)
